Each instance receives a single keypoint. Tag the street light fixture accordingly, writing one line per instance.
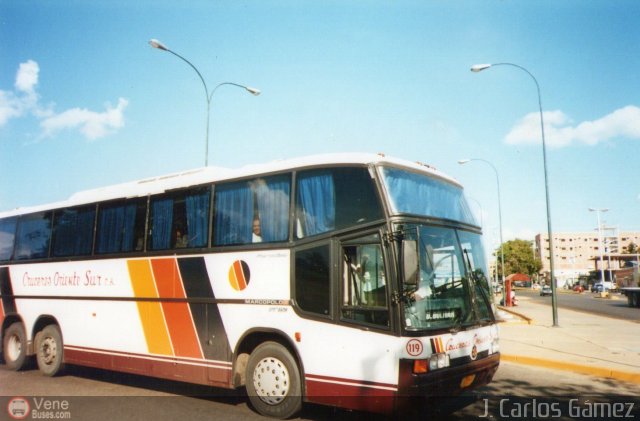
(600, 247)
(160, 46)
(464, 161)
(554, 302)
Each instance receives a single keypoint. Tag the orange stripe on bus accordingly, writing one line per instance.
(153, 324)
(237, 266)
(233, 279)
(177, 314)
(1, 310)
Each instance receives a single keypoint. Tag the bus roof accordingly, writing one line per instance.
(199, 176)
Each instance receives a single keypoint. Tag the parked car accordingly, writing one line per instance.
(546, 290)
(578, 288)
(597, 288)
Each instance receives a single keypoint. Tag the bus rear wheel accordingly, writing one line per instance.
(14, 347)
(49, 350)
(273, 381)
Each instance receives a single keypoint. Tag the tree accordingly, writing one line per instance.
(631, 249)
(518, 258)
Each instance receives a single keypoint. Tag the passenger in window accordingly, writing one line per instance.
(256, 234)
(182, 241)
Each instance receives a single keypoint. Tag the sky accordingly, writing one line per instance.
(86, 102)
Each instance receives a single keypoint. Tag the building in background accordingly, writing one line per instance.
(578, 253)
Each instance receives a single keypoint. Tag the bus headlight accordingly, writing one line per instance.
(439, 360)
(435, 361)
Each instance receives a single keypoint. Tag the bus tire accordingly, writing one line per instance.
(14, 347)
(273, 381)
(49, 350)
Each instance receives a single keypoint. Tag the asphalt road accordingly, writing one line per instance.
(615, 307)
(517, 391)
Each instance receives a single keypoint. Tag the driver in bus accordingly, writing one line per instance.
(427, 274)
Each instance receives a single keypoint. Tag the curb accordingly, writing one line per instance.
(574, 368)
(527, 319)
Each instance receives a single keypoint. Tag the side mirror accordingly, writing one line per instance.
(410, 262)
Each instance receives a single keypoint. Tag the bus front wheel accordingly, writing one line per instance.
(14, 347)
(273, 381)
(49, 350)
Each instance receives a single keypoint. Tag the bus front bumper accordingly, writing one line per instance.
(447, 381)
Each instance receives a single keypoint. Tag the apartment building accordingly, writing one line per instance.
(578, 253)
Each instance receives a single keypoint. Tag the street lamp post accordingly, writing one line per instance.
(554, 302)
(597, 211)
(208, 96)
(464, 161)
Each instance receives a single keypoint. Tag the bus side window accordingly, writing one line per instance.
(271, 210)
(313, 281)
(253, 211)
(7, 237)
(73, 231)
(121, 226)
(234, 214)
(33, 236)
(180, 220)
(327, 200)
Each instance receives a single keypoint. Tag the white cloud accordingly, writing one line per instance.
(27, 77)
(10, 107)
(25, 100)
(559, 131)
(91, 124)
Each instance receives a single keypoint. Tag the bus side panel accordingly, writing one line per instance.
(258, 279)
(129, 315)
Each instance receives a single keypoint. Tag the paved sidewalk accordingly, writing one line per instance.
(583, 343)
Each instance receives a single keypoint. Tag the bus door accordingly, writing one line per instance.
(364, 288)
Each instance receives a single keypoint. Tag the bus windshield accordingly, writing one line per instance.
(423, 195)
(452, 290)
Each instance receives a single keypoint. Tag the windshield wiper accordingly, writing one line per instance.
(457, 325)
(476, 283)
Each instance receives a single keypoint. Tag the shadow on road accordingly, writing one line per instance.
(524, 400)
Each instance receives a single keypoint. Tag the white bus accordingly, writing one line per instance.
(353, 280)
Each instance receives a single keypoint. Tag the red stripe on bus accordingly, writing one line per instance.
(177, 314)
(352, 394)
(204, 372)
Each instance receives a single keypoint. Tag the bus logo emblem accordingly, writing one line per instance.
(239, 275)
(474, 353)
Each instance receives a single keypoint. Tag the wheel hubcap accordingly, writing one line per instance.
(14, 348)
(271, 380)
(48, 350)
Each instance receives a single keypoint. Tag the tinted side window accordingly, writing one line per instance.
(180, 220)
(121, 226)
(7, 236)
(252, 211)
(332, 199)
(73, 231)
(313, 281)
(33, 236)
